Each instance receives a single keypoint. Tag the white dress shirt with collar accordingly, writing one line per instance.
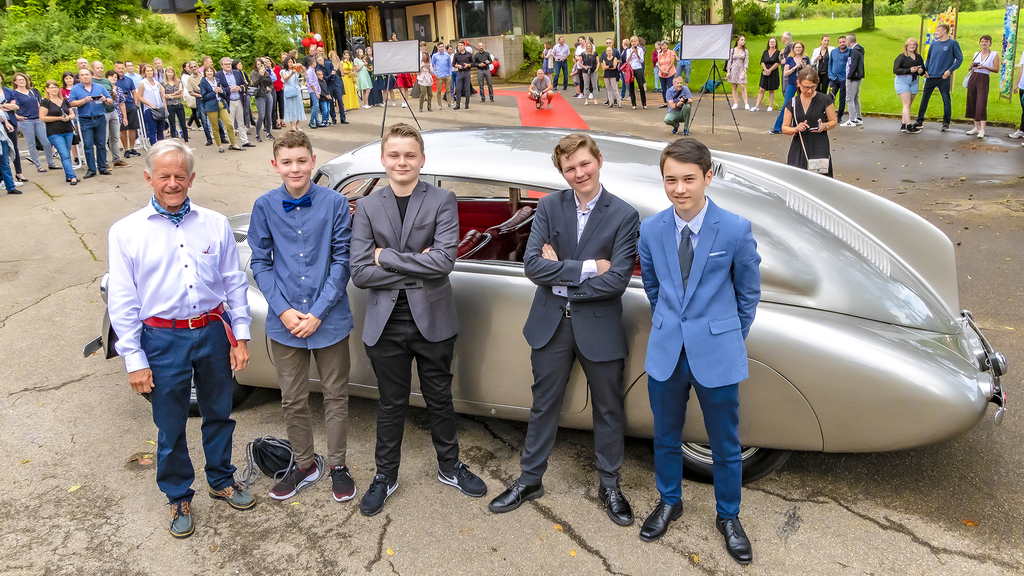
(694, 225)
(589, 269)
(172, 271)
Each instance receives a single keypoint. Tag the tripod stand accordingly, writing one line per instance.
(716, 75)
(390, 81)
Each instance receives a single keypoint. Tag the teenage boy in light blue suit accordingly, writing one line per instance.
(700, 270)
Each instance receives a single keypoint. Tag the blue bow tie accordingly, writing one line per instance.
(290, 205)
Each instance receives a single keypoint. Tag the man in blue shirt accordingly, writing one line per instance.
(683, 67)
(837, 75)
(678, 100)
(300, 234)
(130, 121)
(441, 66)
(90, 99)
(944, 56)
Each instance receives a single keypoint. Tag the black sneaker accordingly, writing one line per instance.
(294, 481)
(470, 484)
(344, 486)
(903, 128)
(945, 127)
(913, 129)
(378, 492)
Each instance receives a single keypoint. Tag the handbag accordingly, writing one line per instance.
(290, 91)
(816, 165)
(158, 113)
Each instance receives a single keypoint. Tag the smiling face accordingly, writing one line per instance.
(582, 172)
(170, 181)
(402, 160)
(295, 166)
(684, 186)
(985, 44)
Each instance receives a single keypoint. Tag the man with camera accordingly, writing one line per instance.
(91, 99)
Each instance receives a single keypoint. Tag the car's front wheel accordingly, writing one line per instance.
(757, 462)
(238, 395)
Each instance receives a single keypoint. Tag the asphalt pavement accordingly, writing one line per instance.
(79, 493)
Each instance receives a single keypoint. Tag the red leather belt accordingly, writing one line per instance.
(195, 322)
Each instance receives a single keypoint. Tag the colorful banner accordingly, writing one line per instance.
(948, 17)
(1009, 53)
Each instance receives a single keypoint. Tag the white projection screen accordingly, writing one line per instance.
(396, 57)
(700, 42)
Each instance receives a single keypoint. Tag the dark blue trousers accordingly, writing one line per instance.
(721, 420)
(176, 357)
(94, 136)
(563, 67)
(335, 89)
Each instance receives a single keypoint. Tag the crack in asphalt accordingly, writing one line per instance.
(380, 545)
(36, 389)
(487, 426)
(3, 321)
(887, 524)
(81, 236)
(575, 536)
(393, 569)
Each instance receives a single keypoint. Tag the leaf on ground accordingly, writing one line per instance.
(558, 527)
(969, 522)
(295, 503)
(150, 442)
(572, 553)
(694, 558)
(391, 552)
(75, 487)
(23, 462)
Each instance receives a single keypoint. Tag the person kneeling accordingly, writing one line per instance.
(678, 99)
(541, 90)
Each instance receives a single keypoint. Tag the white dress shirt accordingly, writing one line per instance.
(589, 269)
(172, 271)
(694, 225)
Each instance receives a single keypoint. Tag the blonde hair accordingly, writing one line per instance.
(402, 130)
(907, 43)
(571, 144)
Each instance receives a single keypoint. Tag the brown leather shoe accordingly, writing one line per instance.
(120, 164)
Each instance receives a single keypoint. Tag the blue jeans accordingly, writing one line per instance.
(562, 66)
(314, 106)
(720, 407)
(790, 92)
(94, 135)
(683, 70)
(930, 84)
(325, 112)
(176, 357)
(5, 165)
(154, 128)
(62, 142)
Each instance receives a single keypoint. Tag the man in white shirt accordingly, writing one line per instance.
(173, 265)
(1019, 90)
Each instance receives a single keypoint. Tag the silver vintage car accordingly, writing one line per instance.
(859, 344)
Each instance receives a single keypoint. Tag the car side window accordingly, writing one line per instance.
(360, 186)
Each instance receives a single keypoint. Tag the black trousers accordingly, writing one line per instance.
(337, 106)
(465, 88)
(280, 105)
(391, 358)
(838, 87)
(930, 84)
(551, 367)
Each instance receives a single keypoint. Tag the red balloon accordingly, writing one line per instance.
(306, 42)
(320, 43)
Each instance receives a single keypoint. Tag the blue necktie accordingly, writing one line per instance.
(290, 205)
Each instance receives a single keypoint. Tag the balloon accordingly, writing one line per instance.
(318, 37)
(320, 43)
(306, 42)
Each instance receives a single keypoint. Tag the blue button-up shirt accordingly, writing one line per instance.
(93, 107)
(441, 64)
(673, 95)
(694, 225)
(300, 260)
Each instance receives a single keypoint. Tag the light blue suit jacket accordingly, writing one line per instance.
(712, 318)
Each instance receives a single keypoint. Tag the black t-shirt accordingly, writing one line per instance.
(462, 59)
(403, 205)
(402, 303)
(56, 111)
(609, 61)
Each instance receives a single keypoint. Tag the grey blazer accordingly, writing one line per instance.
(610, 234)
(431, 221)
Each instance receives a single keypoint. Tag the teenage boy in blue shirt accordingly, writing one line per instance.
(299, 234)
(944, 56)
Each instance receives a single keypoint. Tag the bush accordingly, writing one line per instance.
(753, 19)
(532, 48)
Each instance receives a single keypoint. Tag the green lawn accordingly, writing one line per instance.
(881, 47)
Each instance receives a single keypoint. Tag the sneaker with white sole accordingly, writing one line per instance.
(769, 109)
(754, 109)
(848, 124)
(735, 106)
(294, 481)
(1017, 134)
(746, 106)
(981, 135)
(972, 131)
(859, 121)
(470, 484)
(376, 495)
(343, 486)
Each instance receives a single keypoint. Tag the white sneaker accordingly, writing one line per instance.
(735, 106)
(769, 109)
(1017, 134)
(753, 109)
(972, 131)
(849, 124)
(981, 135)
(404, 105)
(746, 106)
(366, 105)
(18, 184)
(393, 103)
(859, 121)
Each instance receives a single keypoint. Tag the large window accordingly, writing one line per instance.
(541, 17)
(472, 17)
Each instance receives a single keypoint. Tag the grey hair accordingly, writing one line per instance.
(225, 59)
(787, 34)
(170, 146)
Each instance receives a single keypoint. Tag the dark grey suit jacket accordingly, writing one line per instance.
(431, 221)
(610, 234)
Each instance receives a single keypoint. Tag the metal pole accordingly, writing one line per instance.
(618, 31)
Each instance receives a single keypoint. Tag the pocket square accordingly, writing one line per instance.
(713, 254)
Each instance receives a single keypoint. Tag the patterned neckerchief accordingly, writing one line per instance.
(175, 217)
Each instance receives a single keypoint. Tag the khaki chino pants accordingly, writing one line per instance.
(333, 364)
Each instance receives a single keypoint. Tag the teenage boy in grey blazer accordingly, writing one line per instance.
(404, 243)
(581, 255)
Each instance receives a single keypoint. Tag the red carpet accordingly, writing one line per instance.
(561, 115)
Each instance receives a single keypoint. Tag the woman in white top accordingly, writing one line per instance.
(151, 95)
(635, 57)
(985, 62)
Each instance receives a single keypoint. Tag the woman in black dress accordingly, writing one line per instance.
(813, 115)
(771, 59)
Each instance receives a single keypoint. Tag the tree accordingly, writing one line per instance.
(727, 11)
(245, 29)
(867, 15)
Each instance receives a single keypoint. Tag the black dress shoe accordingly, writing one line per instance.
(736, 541)
(208, 143)
(248, 145)
(89, 174)
(105, 172)
(344, 121)
(657, 523)
(514, 496)
(616, 506)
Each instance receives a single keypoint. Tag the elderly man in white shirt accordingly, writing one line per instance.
(173, 265)
(561, 52)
